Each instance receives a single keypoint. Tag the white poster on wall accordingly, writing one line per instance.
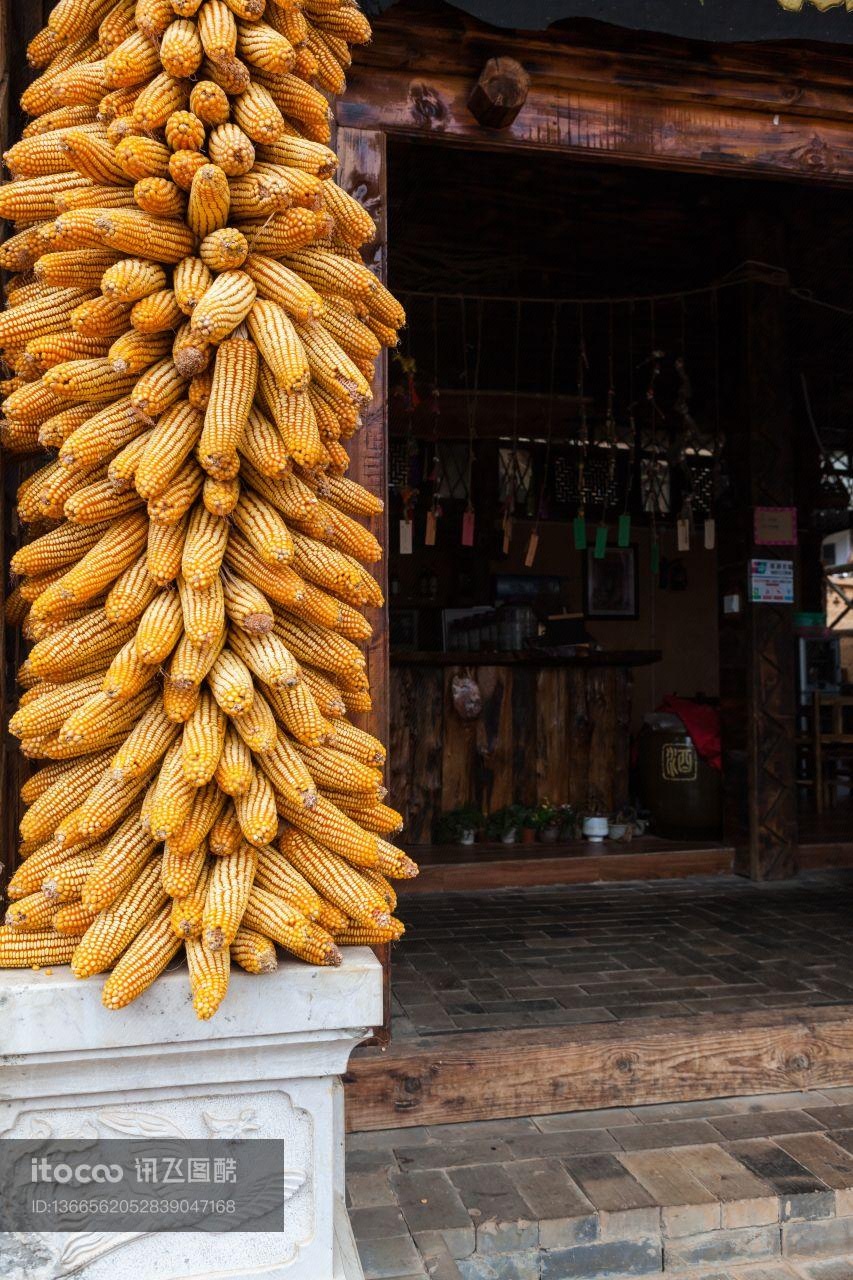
(771, 581)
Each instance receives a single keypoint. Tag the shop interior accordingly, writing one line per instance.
(564, 414)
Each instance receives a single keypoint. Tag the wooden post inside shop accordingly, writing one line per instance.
(757, 643)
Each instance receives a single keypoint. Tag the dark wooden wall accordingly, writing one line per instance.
(556, 732)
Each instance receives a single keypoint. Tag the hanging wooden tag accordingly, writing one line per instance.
(405, 537)
(507, 533)
(579, 532)
(710, 533)
(600, 542)
(532, 547)
(429, 535)
(468, 529)
(623, 537)
(683, 532)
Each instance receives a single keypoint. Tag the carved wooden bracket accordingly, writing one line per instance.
(500, 93)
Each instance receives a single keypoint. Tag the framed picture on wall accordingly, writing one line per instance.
(611, 586)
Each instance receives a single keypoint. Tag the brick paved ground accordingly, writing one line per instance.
(738, 1189)
(600, 953)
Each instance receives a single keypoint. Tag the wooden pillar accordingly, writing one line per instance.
(758, 655)
(363, 172)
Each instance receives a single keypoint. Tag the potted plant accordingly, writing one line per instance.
(545, 820)
(568, 823)
(528, 826)
(459, 826)
(505, 824)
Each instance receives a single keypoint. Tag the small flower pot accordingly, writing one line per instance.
(509, 837)
(528, 835)
(548, 835)
(467, 837)
(596, 829)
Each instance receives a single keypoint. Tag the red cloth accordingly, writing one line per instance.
(702, 723)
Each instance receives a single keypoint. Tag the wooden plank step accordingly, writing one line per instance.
(489, 1075)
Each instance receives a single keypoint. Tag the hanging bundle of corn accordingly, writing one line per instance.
(191, 333)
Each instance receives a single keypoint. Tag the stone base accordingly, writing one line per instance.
(267, 1066)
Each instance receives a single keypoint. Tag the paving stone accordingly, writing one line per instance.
(818, 1239)
(439, 1262)
(748, 1243)
(371, 1161)
(430, 1202)
(451, 1155)
(673, 1187)
(488, 1190)
(608, 1184)
(565, 1142)
(822, 1157)
(564, 1214)
(629, 1224)
(510, 1266)
(477, 1130)
(586, 1120)
(604, 1261)
(377, 1224)
(390, 1258)
(675, 1133)
(833, 1117)
(386, 1139)
(802, 1195)
(765, 1124)
(831, 1269)
(689, 1220)
(369, 1190)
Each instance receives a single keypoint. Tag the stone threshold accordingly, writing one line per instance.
(737, 1189)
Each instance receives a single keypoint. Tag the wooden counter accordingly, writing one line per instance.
(550, 726)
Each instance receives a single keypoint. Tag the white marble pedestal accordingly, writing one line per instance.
(268, 1065)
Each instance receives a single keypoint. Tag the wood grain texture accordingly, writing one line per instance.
(485, 1076)
(758, 112)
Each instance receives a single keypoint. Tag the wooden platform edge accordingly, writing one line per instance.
(529, 872)
(486, 1076)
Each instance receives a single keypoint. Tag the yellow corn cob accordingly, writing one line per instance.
(206, 807)
(230, 149)
(105, 940)
(262, 46)
(326, 694)
(257, 726)
(246, 606)
(131, 593)
(133, 62)
(295, 418)
(202, 741)
(224, 250)
(122, 468)
(99, 501)
(278, 583)
(210, 103)
(184, 165)
(172, 504)
(161, 197)
(256, 113)
(209, 201)
(156, 312)
(101, 317)
(297, 709)
(191, 357)
(332, 829)
(299, 102)
(42, 716)
(254, 952)
(19, 950)
(153, 17)
(350, 497)
(225, 305)
(108, 429)
(114, 551)
(278, 876)
(117, 24)
(127, 674)
(382, 885)
(231, 393)
(263, 528)
(32, 872)
(283, 232)
(225, 834)
(166, 450)
(179, 703)
(306, 67)
(145, 745)
(393, 862)
(221, 496)
(228, 890)
(256, 811)
(134, 352)
(49, 313)
(130, 279)
(323, 649)
(30, 914)
(173, 796)
(206, 540)
(41, 781)
(190, 665)
(55, 549)
(231, 684)
(279, 345)
(191, 279)
(280, 284)
(209, 971)
(334, 770)
(136, 233)
(164, 550)
(374, 816)
(330, 72)
(264, 447)
(287, 772)
(184, 131)
(72, 920)
(160, 628)
(180, 872)
(158, 388)
(247, 10)
(145, 959)
(289, 495)
(54, 348)
(88, 642)
(217, 30)
(118, 864)
(98, 722)
(359, 935)
(234, 768)
(141, 157)
(181, 49)
(272, 916)
(231, 74)
(204, 613)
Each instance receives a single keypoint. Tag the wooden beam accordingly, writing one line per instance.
(500, 93)
(485, 1076)
(773, 113)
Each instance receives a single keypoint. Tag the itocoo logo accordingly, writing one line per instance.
(43, 1171)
